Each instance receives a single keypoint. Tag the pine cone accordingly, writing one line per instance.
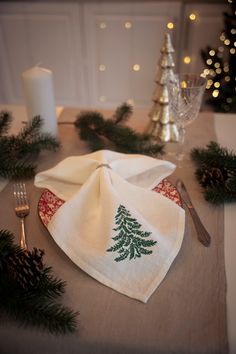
(213, 176)
(26, 267)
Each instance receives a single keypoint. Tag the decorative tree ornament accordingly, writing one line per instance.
(131, 241)
(162, 125)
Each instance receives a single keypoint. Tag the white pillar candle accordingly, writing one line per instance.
(39, 97)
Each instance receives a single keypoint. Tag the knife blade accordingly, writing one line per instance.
(202, 233)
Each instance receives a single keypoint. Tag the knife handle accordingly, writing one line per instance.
(202, 233)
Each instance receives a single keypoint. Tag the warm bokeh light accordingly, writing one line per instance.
(222, 37)
(205, 72)
(192, 17)
(187, 60)
(102, 67)
(183, 84)
(102, 25)
(170, 25)
(215, 93)
(102, 98)
(130, 101)
(209, 84)
(128, 25)
(209, 61)
(136, 67)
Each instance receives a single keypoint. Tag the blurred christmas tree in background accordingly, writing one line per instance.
(221, 66)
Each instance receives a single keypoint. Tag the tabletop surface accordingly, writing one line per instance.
(186, 313)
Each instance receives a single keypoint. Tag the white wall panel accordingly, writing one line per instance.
(118, 48)
(74, 38)
(48, 34)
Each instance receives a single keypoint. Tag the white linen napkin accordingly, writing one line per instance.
(112, 225)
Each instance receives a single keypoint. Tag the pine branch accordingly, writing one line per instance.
(110, 134)
(214, 155)
(31, 129)
(54, 317)
(34, 146)
(122, 113)
(5, 121)
(48, 286)
(216, 172)
(7, 246)
(19, 151)
(17, 171)
(32, 311)
(218, 195)
(32, 301)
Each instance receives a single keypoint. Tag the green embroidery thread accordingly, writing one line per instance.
(130, 241)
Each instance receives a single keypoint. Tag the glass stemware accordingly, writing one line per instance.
(185, 98)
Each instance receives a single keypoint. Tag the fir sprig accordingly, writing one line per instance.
(111, 133)
(19, 151)
(5, 121)
(122, 113)
(216, 172)
(31, 302)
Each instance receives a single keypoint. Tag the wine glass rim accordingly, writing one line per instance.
(202, 80)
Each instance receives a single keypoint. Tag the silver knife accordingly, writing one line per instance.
(202, 233)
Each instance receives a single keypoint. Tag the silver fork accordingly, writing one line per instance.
(22, 209)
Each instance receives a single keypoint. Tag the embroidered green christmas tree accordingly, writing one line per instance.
(130, 240)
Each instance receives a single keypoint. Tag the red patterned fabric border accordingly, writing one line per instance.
(49, 202)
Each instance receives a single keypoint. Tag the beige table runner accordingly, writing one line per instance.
(187, 313)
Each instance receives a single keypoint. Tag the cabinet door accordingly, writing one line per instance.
(198, 34)
(41, 33)
(123, 47)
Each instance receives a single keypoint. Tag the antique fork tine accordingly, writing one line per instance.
(21, 208)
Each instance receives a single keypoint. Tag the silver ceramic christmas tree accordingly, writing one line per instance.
(162, 125)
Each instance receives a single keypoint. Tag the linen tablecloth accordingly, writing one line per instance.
(225, 126)
(187, 313)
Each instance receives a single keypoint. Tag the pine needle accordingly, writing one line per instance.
(122, 113)
(216, 172)
(33, 304)
(18, 151)
(101, 133)
(5, 122)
